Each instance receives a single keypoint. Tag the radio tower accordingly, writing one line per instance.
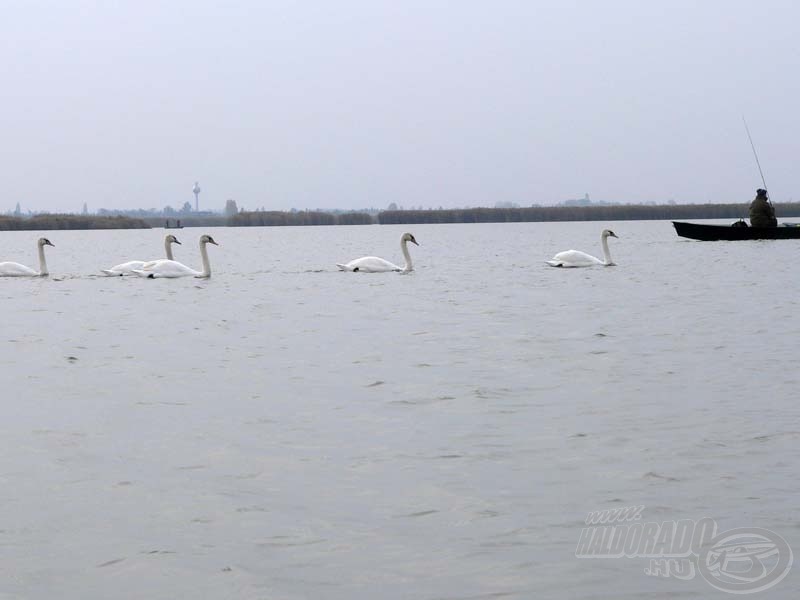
(196, 192)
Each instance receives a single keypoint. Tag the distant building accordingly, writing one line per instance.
(585, 201)
(196, 192)
(231, 208)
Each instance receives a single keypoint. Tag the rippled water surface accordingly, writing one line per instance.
(283, 430)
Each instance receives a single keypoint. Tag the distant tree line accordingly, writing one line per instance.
(48, 222)
(626, 212)
(275, 218)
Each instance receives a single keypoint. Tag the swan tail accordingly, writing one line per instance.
(555, 263)
(343, 267)
(111, 273)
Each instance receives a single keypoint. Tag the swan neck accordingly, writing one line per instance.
(606, 251)
(206, 265)
(42, 262)
(168, 248)
(404, 247)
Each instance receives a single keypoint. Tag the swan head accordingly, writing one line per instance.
(207, 239)
(608, 233)
(45, 242)
(407, 237)
(171, 239)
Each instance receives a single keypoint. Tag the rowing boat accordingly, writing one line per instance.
(713, 233)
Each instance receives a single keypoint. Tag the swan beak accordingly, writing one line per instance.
(414, 242)
(49, 243)
(213, 242)
(177, 242)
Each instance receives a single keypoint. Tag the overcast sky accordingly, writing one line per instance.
(347, 103)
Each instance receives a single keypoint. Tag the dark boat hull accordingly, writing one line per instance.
(713, 233)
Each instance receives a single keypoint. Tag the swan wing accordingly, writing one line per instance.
(150, 263)
(369, 264)
(165, 268)
(12, 269)
(126, 268)
(574, 258)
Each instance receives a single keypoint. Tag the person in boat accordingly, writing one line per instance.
(762, 213)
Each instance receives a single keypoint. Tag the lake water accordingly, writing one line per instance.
(286, 431)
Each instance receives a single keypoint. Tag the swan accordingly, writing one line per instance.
(172, 268)
(12, 269)
(576, 258)
(373, 264)
(128, 268)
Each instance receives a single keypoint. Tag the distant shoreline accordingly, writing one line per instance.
(535, 214)
(47, 222)
(539, 214)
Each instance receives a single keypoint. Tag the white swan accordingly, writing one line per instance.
(373, 264)
(12, 269)
(128, 268)
(172, 268)
(576, 258)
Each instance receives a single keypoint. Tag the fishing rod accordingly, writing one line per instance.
(758, 163)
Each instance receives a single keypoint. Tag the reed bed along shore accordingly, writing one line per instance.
(274, 218)
(49, 222)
